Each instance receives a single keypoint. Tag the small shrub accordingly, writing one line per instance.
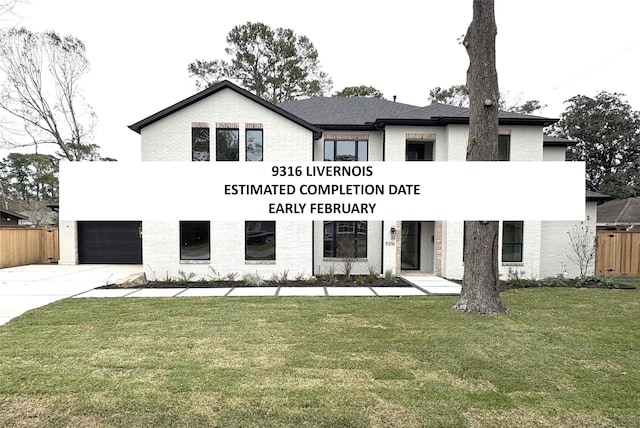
(183, 277)
(359, 281)
(606, 282)
(389, 277)
(302, 277)
(168, 278)
(214, 275)
(555, 281)
(231, 276)
(253, 279)
(586, 281)
(331, 274)
(371, 268)
(347, 267)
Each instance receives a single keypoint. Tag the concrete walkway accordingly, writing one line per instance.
(27, 287)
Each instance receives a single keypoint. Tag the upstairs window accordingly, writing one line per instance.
(419, 151)
(512, 240)
(200, 144)
(341, 150)
(254, 145)
(504, 147)
(227, 144)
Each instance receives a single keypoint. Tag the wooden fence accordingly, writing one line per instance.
(617, 253)
(24, 245)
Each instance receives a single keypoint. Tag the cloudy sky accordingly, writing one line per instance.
(546, 50)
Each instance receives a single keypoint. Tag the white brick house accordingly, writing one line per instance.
(227, 123)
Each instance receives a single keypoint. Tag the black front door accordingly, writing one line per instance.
(410, 247)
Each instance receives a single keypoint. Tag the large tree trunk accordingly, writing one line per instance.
(480, 285)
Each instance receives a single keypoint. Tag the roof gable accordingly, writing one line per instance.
(225, 84)
(12, 214)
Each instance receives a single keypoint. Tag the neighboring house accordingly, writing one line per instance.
(227, 123)
(39, 218)
(10, 218)
(620, 214)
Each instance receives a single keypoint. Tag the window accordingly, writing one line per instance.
(254, 144)
(504, 147)
(345, 239)
(199, 144)
(419, 151)
(195, 243)
(512, 238)
(260, 240)
(227, 144)
(339, 150)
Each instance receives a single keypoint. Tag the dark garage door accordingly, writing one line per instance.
(116, 242)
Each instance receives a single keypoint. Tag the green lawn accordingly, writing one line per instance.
(561, 357)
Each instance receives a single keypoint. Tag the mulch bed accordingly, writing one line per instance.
(357, 281)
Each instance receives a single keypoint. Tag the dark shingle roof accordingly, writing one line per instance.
(344, 110)
(323, 111)
(595, 196)
(620, 211)
(11, 213)
(557, 141)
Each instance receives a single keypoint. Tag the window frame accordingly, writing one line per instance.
(424, 143)
(356, 227)
(513, 247)
(504, 140)
(246, 144)
(271, 257)
(194, 131)
(356, 150)
(182, 244)
(237, 144)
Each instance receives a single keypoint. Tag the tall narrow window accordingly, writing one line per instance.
(345, 239)
(504, 147)
(254, 144)
(227, 144)
(195, 242)
(260, 240)
(341, 150)
(199, 144)
(512, 239)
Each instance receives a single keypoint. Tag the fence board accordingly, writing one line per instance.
(22, 246)
(617, 253)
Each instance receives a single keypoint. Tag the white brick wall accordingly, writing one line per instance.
(554, 154)
(67, 237)
(169, 139)
(554, 246)
(161, 250)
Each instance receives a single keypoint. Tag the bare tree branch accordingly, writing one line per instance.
(41, 91)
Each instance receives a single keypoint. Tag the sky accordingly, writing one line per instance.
(139, 50)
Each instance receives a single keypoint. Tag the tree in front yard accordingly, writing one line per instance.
(480, 283)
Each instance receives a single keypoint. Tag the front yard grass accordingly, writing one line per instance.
(561, 357)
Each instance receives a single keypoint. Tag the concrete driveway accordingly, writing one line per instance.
(27, 287)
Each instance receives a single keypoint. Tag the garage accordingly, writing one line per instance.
(110, 242)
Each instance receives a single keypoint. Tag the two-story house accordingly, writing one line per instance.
(225, 123)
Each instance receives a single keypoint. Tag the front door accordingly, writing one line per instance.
(410, 247)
